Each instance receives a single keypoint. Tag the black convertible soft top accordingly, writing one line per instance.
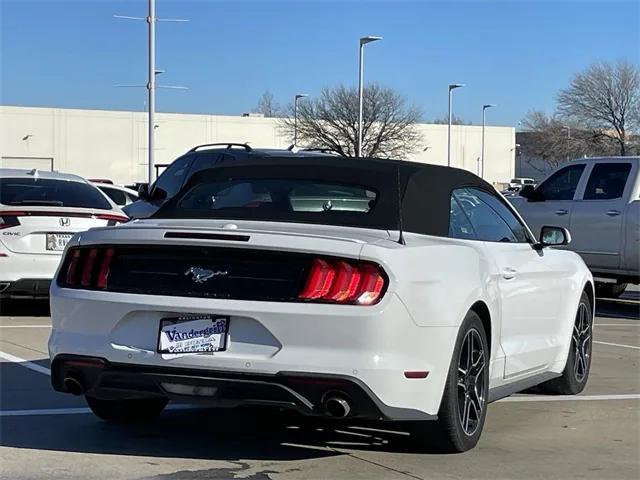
(422, 192)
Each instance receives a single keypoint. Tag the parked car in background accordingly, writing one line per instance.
(39, 213)
(516, 184)
(520, 182)
(344, 288)
(201, 157)
(598, 200)
(121, 196)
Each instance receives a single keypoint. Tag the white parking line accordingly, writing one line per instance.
(572, 398)
(630, 324)
(558, 398)
(617, 345)
(25, 326)
(44, 411)
(76, 411)
(25, 363)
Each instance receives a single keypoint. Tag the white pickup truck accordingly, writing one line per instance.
(598, 200)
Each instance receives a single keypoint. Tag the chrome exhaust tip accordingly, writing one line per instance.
(73, 385)
(337, 406)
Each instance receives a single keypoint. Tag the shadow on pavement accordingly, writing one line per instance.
(24, 308)
(197, 433)
(214, 434)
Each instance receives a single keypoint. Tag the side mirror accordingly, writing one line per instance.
(529, 192)
(143, 191)
(553, 237)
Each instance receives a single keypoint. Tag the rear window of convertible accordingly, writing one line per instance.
(276, 198)
(50, 192)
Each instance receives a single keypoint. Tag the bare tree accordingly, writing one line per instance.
(267, 105)
(331, 121)
(455, 120)
(554, 140)
(605, 98)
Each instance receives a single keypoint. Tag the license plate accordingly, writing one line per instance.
(193, 333)
(58, 241)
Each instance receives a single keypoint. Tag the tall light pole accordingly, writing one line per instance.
(363, 42)
(151, 86)
(484, 109)
(151, 82)
(452, 87)
(295, 116)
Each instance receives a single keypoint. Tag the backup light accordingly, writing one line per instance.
(343, 282)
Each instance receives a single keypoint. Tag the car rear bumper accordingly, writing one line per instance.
(375, 345)
(18, 266)
(305, 392)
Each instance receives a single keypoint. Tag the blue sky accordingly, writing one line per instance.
(517, 54)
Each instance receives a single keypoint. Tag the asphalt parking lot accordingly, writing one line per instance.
(44, 434)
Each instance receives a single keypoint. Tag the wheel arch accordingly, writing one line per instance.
(589, 289)
(482, 310)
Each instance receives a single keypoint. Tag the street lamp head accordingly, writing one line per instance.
(453, 86)
(369, 39)
(301, 95)
(488, 105)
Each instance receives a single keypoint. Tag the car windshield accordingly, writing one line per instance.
(51, 192)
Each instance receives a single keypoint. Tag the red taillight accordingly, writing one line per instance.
(112, 218)
(73, 267)
(88, 267)
(103, 275)
(319, 280)
(343, 282)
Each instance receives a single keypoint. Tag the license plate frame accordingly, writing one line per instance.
(185, 324)
(60, 239)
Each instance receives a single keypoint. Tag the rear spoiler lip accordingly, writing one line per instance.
(65, 213)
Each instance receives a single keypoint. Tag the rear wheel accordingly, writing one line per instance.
(610, 290)
(464, 402)
(576, 372)
(126, 411)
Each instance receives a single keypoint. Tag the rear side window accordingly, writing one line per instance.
(487, 224)
(118, 196)
(562, 184)
(173, 177)
(459, 224)
(50, 192)
(607, 181)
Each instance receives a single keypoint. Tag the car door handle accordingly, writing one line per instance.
(614, 213)
(562, 211)
(509, 273)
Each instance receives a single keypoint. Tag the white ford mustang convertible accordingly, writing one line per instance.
(345, 288)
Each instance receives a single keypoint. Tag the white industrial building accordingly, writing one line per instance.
(113, 144)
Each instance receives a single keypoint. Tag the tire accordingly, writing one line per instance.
(576, 371)
(459, 424)
(610, 290)
(126, 411)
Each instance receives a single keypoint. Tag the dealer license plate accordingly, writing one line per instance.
(193, 333)
(58, 241)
